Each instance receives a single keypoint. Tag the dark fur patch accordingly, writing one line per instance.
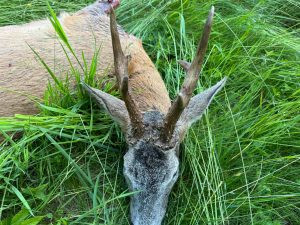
(150, 156)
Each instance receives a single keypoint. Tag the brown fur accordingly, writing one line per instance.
(23, 79)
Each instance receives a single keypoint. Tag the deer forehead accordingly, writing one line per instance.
(153, 122)
(153, 119)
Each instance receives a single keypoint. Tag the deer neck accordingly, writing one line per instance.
(147, 86)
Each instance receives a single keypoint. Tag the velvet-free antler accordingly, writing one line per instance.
(121, 70)
(192, 69)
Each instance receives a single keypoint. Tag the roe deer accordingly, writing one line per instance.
(153, 133)
(153, 126)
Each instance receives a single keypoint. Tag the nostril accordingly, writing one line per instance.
(175, 174)
(136, 173)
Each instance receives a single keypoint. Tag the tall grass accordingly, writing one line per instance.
(239, 165)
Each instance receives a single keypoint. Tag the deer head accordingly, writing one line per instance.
(151, 163)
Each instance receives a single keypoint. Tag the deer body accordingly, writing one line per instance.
(152, 125)
(23, 78)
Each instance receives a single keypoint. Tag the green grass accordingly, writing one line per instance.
(239, 165)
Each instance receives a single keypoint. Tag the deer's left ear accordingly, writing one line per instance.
(196, 108)
(113, 106)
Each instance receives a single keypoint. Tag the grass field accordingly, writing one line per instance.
(239, 165)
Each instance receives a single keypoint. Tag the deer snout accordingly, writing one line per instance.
(148, 208)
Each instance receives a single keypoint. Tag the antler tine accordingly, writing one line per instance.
(121, 70)
(190, 81)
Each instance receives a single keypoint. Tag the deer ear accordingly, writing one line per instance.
(113, 106)
(196, 108)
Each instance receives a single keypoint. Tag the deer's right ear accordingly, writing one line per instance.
(113, 106)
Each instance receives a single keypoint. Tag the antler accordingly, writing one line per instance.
(193, 69)
(121, 70)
